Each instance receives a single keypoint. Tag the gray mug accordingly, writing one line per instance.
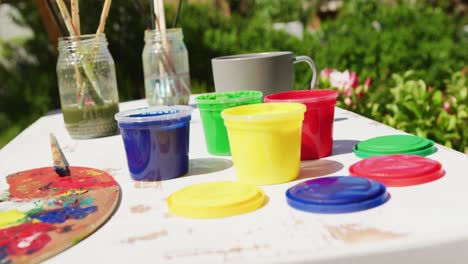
(269, 72)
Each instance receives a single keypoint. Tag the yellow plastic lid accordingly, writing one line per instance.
(216, 199)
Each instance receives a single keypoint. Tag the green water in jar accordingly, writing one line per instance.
(91, 121)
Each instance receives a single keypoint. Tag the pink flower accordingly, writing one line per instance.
(367, 82)
(348, 92)
(339, 80)
(343, 80)
(353, 80)
(325, 73)
(429, 88)
(348, 101)
(464, 70)
(446, 106)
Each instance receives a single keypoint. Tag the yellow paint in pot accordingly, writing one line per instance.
(265, 141)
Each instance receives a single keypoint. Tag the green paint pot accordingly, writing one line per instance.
(211, 106)
(395, 144)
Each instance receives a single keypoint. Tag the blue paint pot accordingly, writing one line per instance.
(156, 141)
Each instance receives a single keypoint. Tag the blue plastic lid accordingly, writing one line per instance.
(339, 194)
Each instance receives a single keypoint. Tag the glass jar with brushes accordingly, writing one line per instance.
(166, 68)
(87, 86)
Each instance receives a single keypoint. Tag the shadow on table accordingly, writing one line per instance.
(207, 165)
(343, 146)
(340, 119)
(54, 112)
(317, 168)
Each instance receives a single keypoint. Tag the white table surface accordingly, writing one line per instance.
(420, 224)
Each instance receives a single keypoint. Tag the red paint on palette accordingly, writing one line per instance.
(398, 170)
(26, 238)
(43, 182)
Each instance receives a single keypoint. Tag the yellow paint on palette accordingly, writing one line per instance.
(93, 172)
(74, 192)
(11, 217)
(216, 199)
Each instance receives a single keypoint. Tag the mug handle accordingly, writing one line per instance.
(311, 63)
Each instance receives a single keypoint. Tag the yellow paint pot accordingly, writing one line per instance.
(265, 141)
(216, 199)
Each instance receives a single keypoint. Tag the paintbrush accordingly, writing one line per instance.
(75, 13)
(153, 18)
(176, 17)
(56, 19)
(66, 17)
(155, 14)
(60, 163)
(104, 15)
(161, 18)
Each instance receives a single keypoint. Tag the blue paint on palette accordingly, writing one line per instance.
(87, 201)
(62, 214)
(4, 256)
(74, 200)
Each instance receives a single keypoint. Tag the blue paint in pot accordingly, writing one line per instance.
(156, 141)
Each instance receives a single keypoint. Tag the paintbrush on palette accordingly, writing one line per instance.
(60, 163)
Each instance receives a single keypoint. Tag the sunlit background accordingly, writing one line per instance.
(403, 63)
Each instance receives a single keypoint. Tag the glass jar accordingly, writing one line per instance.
(166, 68)
(87, 86)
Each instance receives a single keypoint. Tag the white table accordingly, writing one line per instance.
(421, 224)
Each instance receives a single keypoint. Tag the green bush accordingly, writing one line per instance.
(424, 111)
(409, 104)
(377, 40)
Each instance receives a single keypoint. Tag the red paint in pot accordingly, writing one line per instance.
(317, 127)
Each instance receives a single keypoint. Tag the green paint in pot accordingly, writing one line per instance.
(211, 106)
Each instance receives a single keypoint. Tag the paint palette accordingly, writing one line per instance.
(45, 214)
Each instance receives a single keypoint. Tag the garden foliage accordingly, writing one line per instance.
(409, 104)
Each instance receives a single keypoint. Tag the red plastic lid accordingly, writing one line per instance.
(398, 170)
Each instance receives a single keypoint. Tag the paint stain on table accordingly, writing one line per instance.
(151, 236)
(225, 253)
(168, 215)
(353, 233)
(148, 185)
(139, 209)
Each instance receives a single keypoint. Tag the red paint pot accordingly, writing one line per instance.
(317, 127)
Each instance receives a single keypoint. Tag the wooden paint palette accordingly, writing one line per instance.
(45, 214)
